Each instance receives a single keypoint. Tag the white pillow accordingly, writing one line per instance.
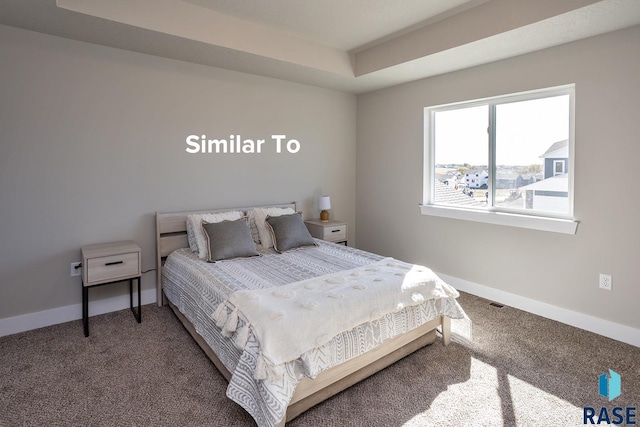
(261, 215)
(197, 239)
(252, 226)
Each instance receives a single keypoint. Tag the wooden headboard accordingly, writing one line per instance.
(171, 234)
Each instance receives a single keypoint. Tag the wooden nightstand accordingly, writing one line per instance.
(110, 263)
(331, 231)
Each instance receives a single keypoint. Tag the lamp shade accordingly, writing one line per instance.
(324, 203)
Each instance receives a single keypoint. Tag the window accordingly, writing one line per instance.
(500, 159)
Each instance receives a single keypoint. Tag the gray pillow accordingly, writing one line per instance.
(228, 240)
(289, 232)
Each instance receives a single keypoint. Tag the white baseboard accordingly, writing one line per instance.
(593, 324)
(616, 331)
(40, 319)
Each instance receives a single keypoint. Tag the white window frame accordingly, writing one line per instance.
(555, 171)
(535, 220)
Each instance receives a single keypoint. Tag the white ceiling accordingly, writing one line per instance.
(349, 45)
(342, 24)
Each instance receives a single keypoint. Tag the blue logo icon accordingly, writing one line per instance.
(609, 386)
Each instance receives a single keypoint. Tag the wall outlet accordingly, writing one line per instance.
(605, 281)
(75, 269)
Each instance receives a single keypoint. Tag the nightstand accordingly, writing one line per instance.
(331, 231)
(109, 263)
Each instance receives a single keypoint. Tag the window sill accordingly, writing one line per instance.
(554, 225)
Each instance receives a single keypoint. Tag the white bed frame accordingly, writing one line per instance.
(171, 234)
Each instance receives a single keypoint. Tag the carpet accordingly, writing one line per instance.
(518, 369)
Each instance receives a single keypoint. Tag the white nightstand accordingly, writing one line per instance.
(110, 263)
(331, 231)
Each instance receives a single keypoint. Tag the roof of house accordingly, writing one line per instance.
(557, 149)
(479, 171)
(448, 195)
(507, 175)
(559, 183)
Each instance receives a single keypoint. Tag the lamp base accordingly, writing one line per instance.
(324, 216)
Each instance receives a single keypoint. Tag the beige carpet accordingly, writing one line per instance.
(520, 370)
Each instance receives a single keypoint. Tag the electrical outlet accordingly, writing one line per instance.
(75, 269)
(605, 281)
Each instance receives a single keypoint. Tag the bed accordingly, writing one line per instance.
(199, 292)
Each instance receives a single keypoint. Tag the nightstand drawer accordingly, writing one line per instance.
(111, 268)
(331, 231)
(336, 233)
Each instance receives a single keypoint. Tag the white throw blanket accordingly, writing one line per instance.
(290, 320)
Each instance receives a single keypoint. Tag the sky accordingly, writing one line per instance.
(525, 130)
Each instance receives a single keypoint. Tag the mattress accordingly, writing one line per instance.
(197, 288)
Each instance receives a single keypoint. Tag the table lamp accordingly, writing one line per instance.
(324, 204)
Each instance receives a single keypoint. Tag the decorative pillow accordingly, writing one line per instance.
(197, 241)
(228, 240)
(261, 215)
(252, 226)
(289, 232)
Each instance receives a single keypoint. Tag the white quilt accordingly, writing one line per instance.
(322, 307)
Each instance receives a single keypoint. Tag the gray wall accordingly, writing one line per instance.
(553, 268)
(92, 145)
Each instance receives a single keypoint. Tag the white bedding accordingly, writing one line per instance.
(197, 288)
(323, 307)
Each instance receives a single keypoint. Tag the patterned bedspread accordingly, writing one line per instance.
(197, 288)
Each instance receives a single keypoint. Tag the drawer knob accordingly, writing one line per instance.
(335, 231)
(114, 263)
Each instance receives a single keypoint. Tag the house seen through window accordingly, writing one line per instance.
(511, 153)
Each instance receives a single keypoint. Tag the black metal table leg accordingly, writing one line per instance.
(131, 294)
(137, 315)
(85, 310)
(139, 302)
